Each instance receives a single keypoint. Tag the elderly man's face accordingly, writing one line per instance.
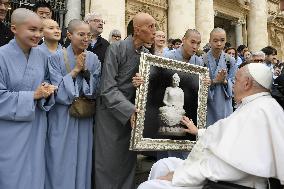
(258, 58)
(191, 43)
(160, 39)
(218, 40)
(146, 32)
(4, 6)
(239, 85)
(97, 25)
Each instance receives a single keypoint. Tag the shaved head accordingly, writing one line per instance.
(48, 21)
(141, 19)
(217, 30)
(73, 24)
(21, 15)
(160, 32)
(190, 32)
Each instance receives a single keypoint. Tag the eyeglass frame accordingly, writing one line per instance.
(97, 21)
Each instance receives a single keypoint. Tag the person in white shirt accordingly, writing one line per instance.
(245, 148)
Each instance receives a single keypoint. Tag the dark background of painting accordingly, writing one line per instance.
(159, 80)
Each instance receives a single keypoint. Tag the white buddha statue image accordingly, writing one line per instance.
(172, 112)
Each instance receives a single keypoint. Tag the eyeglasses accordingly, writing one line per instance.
(258, 60)
(116, 36)
(97, 21)
(6, 4)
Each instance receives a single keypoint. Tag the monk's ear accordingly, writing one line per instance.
(183, 40)
(13, 28)
(136, 29)
(69, 35)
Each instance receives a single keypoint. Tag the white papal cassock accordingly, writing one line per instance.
(245, 148)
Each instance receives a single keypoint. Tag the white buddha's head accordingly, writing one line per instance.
(176, 80)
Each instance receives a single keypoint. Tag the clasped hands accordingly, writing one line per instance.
(80, 64)
(44, 91)
(221, 77)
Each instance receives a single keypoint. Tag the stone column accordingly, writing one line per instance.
(181, 16)
(257, 25)
(239, 33)
(73, 11)
(113, 12)
(204, 19)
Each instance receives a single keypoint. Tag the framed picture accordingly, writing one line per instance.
(171, 90)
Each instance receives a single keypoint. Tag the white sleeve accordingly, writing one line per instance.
(202, 166)
(200, 132)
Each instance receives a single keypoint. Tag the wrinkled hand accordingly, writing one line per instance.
(168, 177)
(137, 80)
(221, 76)
(191, 128)
(44, 91)
(133, 118)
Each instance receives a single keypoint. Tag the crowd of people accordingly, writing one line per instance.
(67, 107)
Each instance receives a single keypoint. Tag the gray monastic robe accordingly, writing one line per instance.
(114, 163)
(23, 122)
(219, 104)
(69, 140)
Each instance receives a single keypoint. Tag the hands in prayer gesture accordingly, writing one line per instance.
(221, 77)
(44, 91)
(80, 64)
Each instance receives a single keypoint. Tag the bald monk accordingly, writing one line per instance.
(114, 163)
(24, 99)
(52, 35)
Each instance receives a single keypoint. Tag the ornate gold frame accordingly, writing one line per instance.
(138, 143)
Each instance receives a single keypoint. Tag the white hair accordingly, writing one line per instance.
(113, 32)
(258, 53)
(92, 15)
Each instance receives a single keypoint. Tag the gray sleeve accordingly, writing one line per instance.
(114, 100)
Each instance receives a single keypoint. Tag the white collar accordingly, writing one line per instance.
(250, 98)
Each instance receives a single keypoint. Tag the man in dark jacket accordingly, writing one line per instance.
(5, 33)
(98, 44)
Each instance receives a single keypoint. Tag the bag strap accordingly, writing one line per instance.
(205, 60)
(66, 61)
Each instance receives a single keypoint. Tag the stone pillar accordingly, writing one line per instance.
(257, 25)
(239, 33)
(181, 16)
(73, 11)
(113, 12)
(204, 19)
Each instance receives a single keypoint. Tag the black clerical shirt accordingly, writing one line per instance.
(5, 34)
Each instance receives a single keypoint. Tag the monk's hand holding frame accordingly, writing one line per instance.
(137, 80)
